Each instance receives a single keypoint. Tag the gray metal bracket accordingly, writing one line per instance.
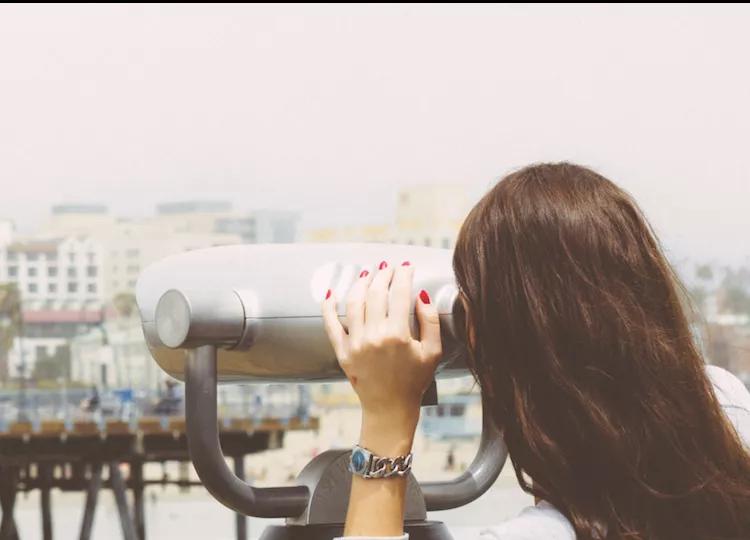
(205, 450)
(298, 502)
(478, 477)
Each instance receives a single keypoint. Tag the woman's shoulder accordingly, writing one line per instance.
(535, 522)
(730, 391)
(734, 399)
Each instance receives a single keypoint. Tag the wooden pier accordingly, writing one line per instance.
(87, 456)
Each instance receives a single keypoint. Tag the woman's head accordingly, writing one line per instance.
(582, 348)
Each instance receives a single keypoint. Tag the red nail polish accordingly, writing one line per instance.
(328, 294)
(383, 265)
(424, 296)
(406, 263)
(364, 273)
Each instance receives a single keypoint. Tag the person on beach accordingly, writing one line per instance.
(579, 336)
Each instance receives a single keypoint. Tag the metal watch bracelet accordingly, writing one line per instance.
(367, 465)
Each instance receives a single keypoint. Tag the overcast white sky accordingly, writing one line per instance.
(329, 109)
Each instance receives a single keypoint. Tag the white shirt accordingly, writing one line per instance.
(544, 521)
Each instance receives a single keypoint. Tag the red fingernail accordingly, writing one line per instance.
(364, 273)
(424, 297)
(406, 263)
(382, 265)
(328, 294)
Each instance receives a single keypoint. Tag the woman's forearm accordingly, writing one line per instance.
(376, 506)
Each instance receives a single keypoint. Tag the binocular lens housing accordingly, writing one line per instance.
(261, 306)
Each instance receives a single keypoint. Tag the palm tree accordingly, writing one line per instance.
(10, 323)
(124, 304)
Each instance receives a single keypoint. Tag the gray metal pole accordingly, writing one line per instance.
(139, 514)
(241, 520)
(45, 475)
(92, 496)
(478, 478)
(205, 450)
(118, 488)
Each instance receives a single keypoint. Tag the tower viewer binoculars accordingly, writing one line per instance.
(252, 314)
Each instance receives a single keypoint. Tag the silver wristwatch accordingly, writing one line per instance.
(367, 465)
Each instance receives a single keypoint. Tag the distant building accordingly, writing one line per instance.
(61, 287)
(430, 215)
(75, 219)
(427, 215)
(217, 217)
(353, 233)
(7, 232)
(114, 355)
(55, 273)
(130, 246)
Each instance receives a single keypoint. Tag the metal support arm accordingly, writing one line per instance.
(478, 478)
(208, 458)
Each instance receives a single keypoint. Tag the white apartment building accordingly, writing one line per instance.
(115, 355)
(129, 246)
(61, 287)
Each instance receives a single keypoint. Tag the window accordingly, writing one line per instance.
(72, 257)
(457, 410)
(32, 272)
(446, 242)
(132, 253)
(133, 269)
(12, 256)
(12, 271)
(32, 287)
(72, 287)
(91, 271)
(52, 288)
(72, 272)
(51, 257)
(52, 271)
(428, 241)
(32, 256)
(91, 288)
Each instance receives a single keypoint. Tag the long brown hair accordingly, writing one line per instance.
(581, 343)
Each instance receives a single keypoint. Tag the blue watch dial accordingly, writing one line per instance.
(359, 461)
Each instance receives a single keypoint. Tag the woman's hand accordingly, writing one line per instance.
(388, 369)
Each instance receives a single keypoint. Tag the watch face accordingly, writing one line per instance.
(359, 461)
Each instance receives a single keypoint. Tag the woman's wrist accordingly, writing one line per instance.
(389, 434)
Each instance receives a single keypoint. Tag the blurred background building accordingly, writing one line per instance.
(426, 215)
(75, 279)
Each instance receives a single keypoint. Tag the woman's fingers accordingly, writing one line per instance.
(376, 308)
(334, 329)
(429, 327)
(355, 306)
(400, 298)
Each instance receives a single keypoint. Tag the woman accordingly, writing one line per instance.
(579, 339)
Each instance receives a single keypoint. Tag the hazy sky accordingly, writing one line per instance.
(329, 109)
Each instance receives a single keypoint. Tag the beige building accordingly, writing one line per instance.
(352, 233)
(430, 215)
(126, 247)
(427, 215)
